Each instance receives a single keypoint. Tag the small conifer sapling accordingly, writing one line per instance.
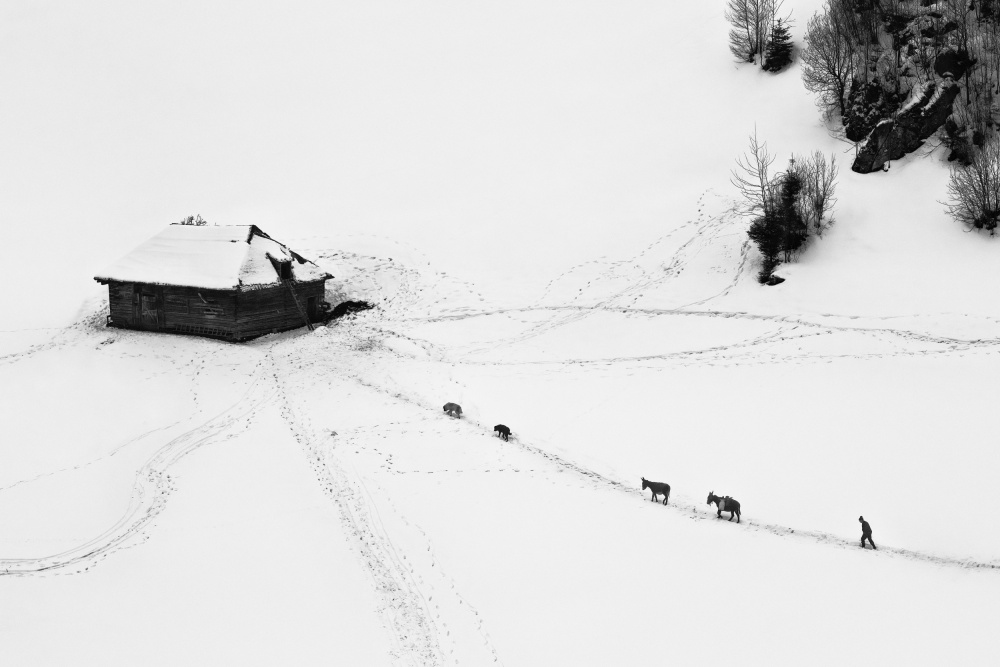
(778, 52)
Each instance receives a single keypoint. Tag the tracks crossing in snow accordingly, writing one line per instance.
(411, 595)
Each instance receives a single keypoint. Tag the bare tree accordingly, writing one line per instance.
(751, 178)
(957, 12)
(887, 68)
(742, 37)
(765, 13)
(819, 184)
(974, 191)
(858, 22)
(828, 60)
(976, 115)
(896, 16)
(991, 45)
(751, 22)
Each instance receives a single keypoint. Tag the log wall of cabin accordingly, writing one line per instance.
(120, 304)
(224, 314)
(265, 310)
(199, 311)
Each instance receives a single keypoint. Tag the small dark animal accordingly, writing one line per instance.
(348, 307)
(725, 504)
(502, 432)
(453, 410)
(657, 488)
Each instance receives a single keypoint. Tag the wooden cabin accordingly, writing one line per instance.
(229, 282)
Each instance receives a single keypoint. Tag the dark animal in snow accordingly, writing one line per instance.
(453, 410)
(502, 431)
(725, 504)
(657, 488)
(348, 307)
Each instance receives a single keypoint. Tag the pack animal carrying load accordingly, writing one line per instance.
(725, 504)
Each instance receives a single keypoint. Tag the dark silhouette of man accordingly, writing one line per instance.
(866, 533)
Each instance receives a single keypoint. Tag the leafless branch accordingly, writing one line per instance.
(751, 178)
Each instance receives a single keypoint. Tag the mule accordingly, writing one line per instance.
(453, 410)
(502, 432)
(657, 488)
(725, 504)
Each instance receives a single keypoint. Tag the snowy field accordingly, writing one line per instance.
(536, 199)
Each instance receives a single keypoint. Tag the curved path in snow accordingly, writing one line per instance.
(152, 483)
(151, 489)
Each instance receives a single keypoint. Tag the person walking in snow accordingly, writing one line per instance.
(866, 533)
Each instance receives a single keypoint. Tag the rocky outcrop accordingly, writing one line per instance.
(916, 121)
(867, 105)
(952, 63)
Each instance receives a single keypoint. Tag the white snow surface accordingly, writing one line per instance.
(535, 197)
(211, 257)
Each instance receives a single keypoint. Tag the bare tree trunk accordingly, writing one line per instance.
(742, 39)
(828, 59)
(819, 184)
(752, 179)
(974, 191)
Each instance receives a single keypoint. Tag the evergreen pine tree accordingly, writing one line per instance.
(778, 52)
(781, 230)
(767, 232)
(793, 227)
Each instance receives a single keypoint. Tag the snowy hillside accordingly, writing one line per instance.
(536, 199)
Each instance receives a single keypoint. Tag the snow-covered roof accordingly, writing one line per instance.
(211, 257)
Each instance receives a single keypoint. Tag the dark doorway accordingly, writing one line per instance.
(311, 309)
(149, 312)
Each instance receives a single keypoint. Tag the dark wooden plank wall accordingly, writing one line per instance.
(199, 311)
(120, 303)
(217, 313)
(262, 311)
